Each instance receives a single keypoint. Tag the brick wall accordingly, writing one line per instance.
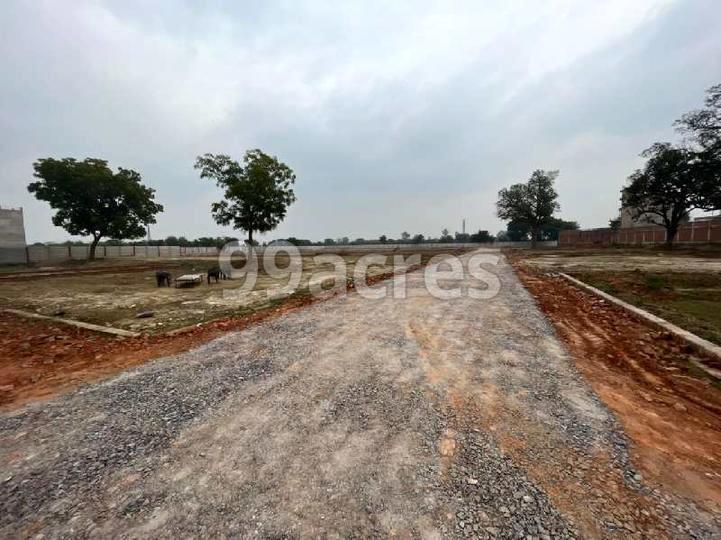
(696, 232)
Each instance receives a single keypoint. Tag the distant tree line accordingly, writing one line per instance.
(220, 241)
(405, 238)
(203, 241)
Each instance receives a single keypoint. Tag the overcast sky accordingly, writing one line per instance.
(395, 116)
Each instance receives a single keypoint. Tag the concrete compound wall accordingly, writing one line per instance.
(12, 236)
(40, 254)
(55, 254)
(694, 232)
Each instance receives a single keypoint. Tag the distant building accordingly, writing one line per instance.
(12, 236)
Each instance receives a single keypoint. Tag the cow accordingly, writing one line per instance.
(163, 278)
(217, 274)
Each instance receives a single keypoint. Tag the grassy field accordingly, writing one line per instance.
(114, 292)
(689, 300)
(682, 285)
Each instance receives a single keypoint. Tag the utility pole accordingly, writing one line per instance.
(464, 226)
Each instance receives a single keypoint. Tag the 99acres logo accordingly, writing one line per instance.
(280, 269)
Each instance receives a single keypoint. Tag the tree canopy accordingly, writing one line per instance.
(481, 237)
(92, 200)
(256, 194)
(674, 181)
(704, 125)
(530, 204)
(446, 237)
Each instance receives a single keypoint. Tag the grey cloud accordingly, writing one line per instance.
(407, 118)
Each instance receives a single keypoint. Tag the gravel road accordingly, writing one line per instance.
(414, 417)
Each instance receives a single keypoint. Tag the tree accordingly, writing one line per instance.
(614, 223)
(462, 237)
(481, 237)
(530, 204)
(517, 232)
(405, 236)
(704, 125)
(298, 241)
(256, 194)
(383, 239)
(92, 200)
(552, 229)
(446, 237)
(674, 181)
(502, 236)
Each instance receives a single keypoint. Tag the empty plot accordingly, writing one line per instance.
(682, 286)
(114, 294)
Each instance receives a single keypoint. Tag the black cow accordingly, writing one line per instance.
(216, 273)
(163, 278)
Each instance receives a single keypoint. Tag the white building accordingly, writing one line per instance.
(12, 236)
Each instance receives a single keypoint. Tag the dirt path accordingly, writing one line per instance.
(352, 417)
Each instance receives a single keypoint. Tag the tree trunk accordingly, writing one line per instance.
(534, 236)
(93, 245)
(671, 231)
(250, 237)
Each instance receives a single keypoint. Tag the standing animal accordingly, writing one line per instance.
(216, 273)
(163, 278)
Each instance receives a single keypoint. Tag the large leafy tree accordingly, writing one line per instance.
(92, 200)
(531, 204)
(674, 181)
(256, 194)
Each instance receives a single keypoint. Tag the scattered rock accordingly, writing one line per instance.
(145, 314)
(680, 407)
